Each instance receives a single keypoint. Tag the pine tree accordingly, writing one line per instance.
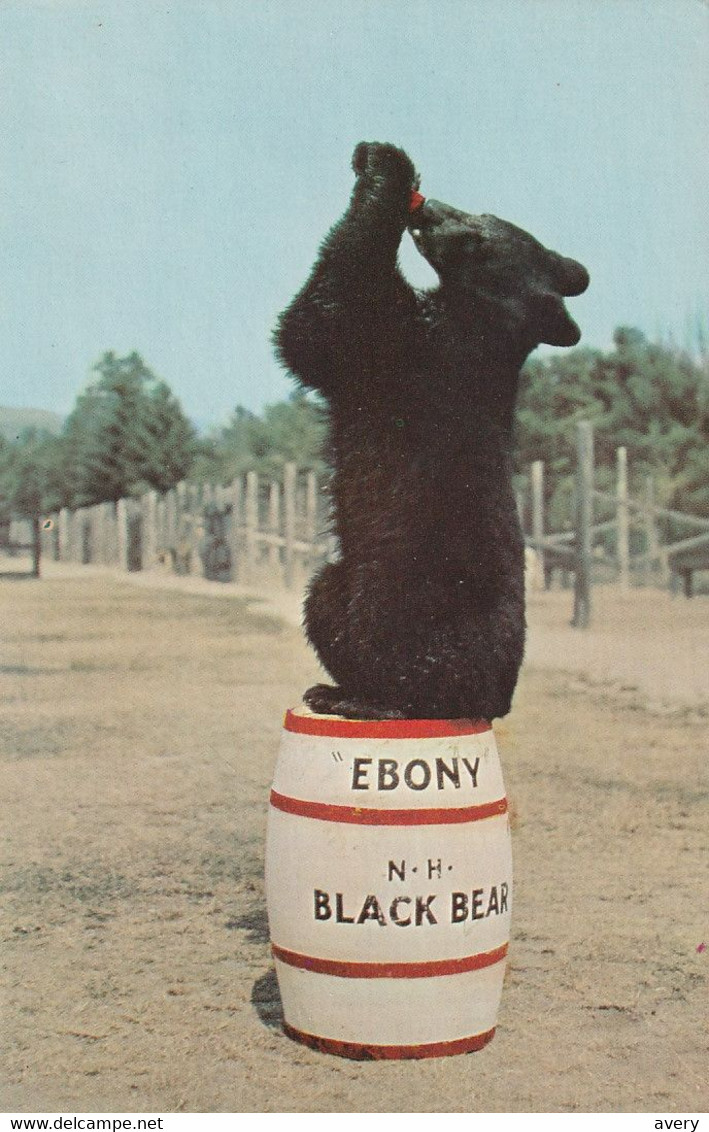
(126, 434)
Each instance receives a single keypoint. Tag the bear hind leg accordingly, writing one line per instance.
(328, 627)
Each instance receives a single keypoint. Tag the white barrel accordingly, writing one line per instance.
(389, 884)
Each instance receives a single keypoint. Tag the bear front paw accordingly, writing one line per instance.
(380, 160)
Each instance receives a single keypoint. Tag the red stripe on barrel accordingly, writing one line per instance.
(371, 1052)
(432, 968)
(383, 728)
(354, 815)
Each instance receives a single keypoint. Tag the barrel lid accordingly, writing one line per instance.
(302, 720)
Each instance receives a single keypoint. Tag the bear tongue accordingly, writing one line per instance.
(416, 200)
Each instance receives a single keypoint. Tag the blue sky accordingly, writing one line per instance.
(169, 168)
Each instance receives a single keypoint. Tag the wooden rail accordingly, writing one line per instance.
(254, 529)
(573, 551)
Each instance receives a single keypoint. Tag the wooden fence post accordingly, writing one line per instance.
(180, 553)
(584, 522)
(98, 549)
(64, 536)
(113, 531)
(311, 516)
(180, 505)
(122, 533)
(83, 535)
(652, 541)
(93, 534)
(96, 532)
(77, 522)
(48, 536)
(36, 545)
(289, 485)
(161, 540)
(623, 519)
(274, 524)
(68, 552)
(538, 510)
(235, 532)
(105, 514)
(251, 523)
(93, 526)
(55, 538)
(171, 520)
(149, 545)
(194, 528)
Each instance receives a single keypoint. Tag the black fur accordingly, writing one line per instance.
(423, 615)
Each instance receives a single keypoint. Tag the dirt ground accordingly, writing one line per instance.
(139, 730)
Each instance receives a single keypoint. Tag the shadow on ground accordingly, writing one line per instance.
(266, 999)
(254, 923)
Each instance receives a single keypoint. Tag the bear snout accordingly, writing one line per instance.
(429, 215)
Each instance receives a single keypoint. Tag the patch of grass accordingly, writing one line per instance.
(25, 670)
(87, 882)
(38, 742)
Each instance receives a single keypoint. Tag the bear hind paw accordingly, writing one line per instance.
(326, 699)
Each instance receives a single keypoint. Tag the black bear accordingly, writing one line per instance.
(422, 615)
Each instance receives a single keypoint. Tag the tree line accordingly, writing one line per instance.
(651, 398)
(127, 432)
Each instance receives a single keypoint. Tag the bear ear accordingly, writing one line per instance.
(552, 322)
(359, 157)
(570, 277)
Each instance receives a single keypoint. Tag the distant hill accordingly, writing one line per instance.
(13, 421)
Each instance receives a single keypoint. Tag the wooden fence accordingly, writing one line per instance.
(253, 530)
(274, 531)
(586, 549)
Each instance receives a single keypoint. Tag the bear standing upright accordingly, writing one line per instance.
(422, 615)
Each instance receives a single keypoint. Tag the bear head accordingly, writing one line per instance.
(499, 273)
